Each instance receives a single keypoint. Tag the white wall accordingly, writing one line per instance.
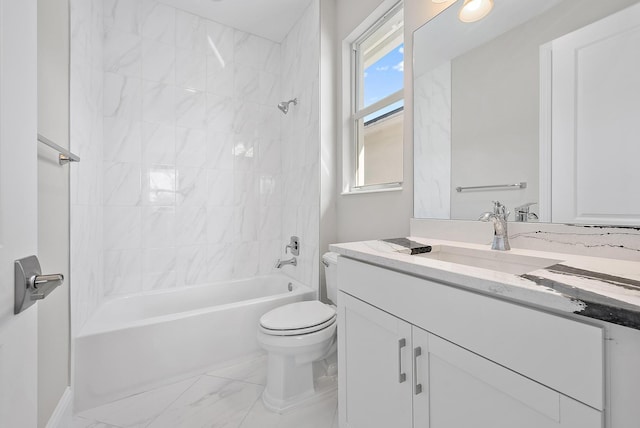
(495, 142)
(328, 147)
(53, 203)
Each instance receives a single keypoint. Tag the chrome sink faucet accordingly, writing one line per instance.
(523, 212)
(499, 217)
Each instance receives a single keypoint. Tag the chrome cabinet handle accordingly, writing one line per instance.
(417, 387)
(402, 376)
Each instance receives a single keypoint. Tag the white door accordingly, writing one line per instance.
(375, 358)
(18, 213)
(595, 126)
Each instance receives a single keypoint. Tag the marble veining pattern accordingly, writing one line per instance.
(229, 396)
(595, 305)
(186, 105)
(432, 146)
(87, 101)
(499, 283)
(600, 288)
(185, 156)
(626, 283)
(612, 242)
(590, 237)
(300, 150)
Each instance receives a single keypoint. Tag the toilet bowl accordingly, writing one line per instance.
(300, 339)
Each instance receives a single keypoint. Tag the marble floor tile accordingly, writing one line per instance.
(252, 369)
(228, 397)
(210, 402)
(79, 422)
(140, 409)
(319, 414)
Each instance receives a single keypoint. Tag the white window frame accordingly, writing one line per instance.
(350, 137)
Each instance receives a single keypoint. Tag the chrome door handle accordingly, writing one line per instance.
(401, 376)
(29, 283)
(42, 285)
(417, 387)
(43, 279)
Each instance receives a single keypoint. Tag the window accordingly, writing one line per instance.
(378, 104)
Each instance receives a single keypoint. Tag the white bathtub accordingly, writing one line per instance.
(138, 342)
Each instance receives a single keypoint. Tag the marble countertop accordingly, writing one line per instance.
(597, 288)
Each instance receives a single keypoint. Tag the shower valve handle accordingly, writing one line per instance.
(294, 246)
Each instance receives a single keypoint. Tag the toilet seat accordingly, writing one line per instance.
(298, 346)
(299, 331)
(298, 318)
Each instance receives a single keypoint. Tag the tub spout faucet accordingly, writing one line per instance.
(291, 261)
(499, 217)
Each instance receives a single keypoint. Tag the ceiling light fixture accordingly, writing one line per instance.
(475, 10)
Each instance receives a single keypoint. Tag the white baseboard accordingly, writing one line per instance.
(63, 413)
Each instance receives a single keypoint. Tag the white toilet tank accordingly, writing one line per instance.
(331, 273)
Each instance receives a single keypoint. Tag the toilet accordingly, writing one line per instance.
(300, 339)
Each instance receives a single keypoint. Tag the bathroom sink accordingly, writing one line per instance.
(502, 261)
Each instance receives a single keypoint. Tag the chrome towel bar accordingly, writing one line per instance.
(521, 185)
(64, 156)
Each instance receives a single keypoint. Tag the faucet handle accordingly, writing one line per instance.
(525, 207)
(485, 216)
(500, 209)
(294, 246)
(523, 214)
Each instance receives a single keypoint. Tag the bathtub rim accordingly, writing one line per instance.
(89, 329)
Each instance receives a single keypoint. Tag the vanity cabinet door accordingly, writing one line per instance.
(467, 390)
(374, 354)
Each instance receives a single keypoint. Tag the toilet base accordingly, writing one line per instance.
(323, 385)
(313, 381)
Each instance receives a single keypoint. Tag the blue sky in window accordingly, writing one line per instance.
(384, 77)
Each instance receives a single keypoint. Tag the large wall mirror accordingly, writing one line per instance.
(536, 105)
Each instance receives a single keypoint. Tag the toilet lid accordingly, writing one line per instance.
(299, 315)
(300, 331)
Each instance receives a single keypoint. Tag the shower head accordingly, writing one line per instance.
(284, 106)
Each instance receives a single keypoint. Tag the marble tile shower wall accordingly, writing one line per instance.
(86, 128)
(301, 143)
(432, 143)
(192, 170)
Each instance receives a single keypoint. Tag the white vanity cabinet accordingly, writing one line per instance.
(416, 353)
(378, 367)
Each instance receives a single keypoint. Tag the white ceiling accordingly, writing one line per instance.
(445, 37)
(271, 19)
